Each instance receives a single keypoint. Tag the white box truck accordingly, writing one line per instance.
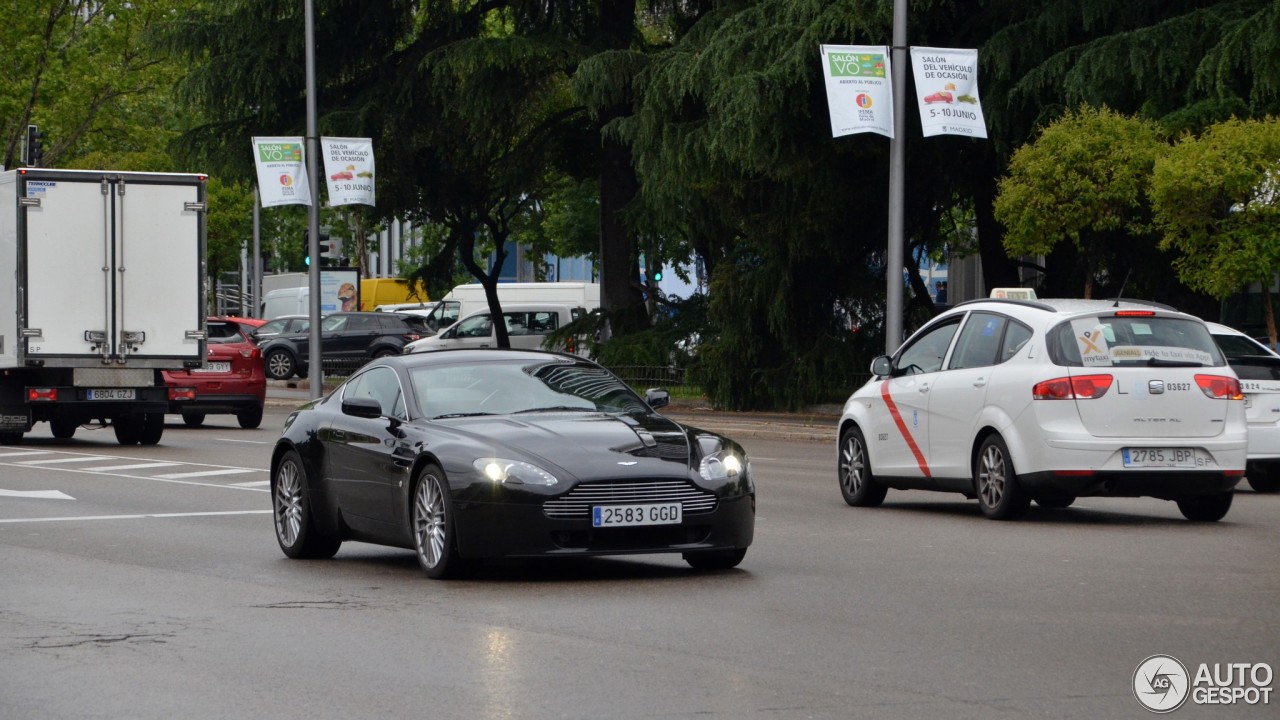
(466, 299)
(102, 286)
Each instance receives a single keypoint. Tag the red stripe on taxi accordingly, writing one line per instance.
(902, 428)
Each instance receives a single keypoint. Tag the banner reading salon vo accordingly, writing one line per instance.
(282, 172)
(348, 170)
(947, 90)
(859, 94)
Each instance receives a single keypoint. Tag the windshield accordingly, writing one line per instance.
(502, 387)
(1133, 340)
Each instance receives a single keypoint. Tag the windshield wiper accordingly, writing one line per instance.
(556, 408)
(1161, 362)
(458, 415)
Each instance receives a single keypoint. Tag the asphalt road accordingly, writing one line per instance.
(157, 591)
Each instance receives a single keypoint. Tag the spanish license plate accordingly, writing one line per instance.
(214, 367)
(113, 394)
(1159, 457)
(631, 515)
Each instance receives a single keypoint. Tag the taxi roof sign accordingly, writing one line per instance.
(1014, 293)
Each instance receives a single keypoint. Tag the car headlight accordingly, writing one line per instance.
(720, 466)
(513, 472)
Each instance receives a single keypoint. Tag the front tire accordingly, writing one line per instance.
(857, 483)
(294, 519)
(1205, 508)
(10, 438)
(996, 482)
(152, 428)
(716, 559)
(434, 525)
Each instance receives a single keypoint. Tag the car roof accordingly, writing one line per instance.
(1074, 307)
(474, 355)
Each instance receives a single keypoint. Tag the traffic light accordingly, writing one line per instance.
(35, 149)
(306, 248)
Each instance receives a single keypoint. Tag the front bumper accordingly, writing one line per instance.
(509, 530)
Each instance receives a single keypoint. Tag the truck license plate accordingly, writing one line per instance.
(631, 515)
(1159, 457)
(214, 367)
(113, 394)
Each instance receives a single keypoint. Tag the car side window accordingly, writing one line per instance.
(926, 353)
(474, 326)
(979, 341)
(543, 322)
(362, 323)
(380, 384)
(334, 323)
(1016, 337)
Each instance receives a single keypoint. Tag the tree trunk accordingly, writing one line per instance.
(998, 269)
(488, 280)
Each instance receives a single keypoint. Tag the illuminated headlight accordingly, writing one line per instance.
(513, 472)
(719, 467)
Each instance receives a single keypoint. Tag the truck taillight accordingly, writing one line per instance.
(1081, 387)
(182, 393)
(42, 394)
(1220, 387)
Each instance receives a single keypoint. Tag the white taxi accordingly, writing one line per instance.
(1259, 371)
(1014, 400)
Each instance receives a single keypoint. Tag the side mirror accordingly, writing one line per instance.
(361, 407)
(882, 366)
(657, 398)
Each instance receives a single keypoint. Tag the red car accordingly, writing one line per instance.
(231, 381)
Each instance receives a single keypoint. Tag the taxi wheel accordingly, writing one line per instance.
(296, 530)
(1263, 478)
(857, 484)
(1061, 501)
(996, 483)
(1205, 508)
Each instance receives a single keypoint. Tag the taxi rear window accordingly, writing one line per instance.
(1119, 341)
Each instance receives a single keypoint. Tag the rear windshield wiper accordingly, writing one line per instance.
(1161, 362)
(458, 415)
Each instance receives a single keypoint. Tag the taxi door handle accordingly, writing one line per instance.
(980, 382)
(924, 388)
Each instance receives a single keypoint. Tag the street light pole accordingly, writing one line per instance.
(897, 184)
(315, 370)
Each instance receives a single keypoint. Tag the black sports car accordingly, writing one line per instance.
(464, 455)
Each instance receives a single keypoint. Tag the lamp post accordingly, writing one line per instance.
(313, 211)
(897, 171)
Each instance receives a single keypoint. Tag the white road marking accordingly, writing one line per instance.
(139, 517)
(112, 468)
(59, 461)
(23, 453)
(253, 483)
(249, 442)
(205, 473)
(37, 494)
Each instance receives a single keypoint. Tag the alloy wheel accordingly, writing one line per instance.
(288, 502)
(429, 521)
(992, 476)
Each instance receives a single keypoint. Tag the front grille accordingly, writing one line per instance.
(577, 502)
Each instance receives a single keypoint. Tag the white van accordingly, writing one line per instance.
(464, 300)
(285, 301)
(528, 325)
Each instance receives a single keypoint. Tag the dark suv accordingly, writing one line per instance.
(347, 341)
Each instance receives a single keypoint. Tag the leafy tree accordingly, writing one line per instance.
(1082, 181)
(1216, 200)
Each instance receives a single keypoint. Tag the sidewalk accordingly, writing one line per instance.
(818, 424)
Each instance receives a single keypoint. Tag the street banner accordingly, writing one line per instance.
(947, 91)
(859, 92)
(348, 170)
(282, 171)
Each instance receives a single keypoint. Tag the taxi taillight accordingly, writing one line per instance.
(1080, 387)
(1220, 387)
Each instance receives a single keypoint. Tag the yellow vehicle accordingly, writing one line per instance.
(389, 291)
